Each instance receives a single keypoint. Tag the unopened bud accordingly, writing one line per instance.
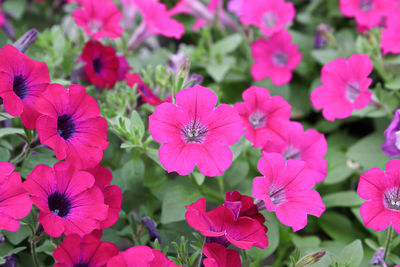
(24, 42)
(311, 258)
(184, 69)
(378, 258)
(151, 227)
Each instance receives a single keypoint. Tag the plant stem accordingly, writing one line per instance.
(388, 242)
(34, 256)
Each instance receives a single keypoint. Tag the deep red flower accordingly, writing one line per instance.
(112, 194)
(219, 256)
(123, 68)
(139, 256)
(68, 199)
(145, 92)
(101, 64)
(14, 200)
(71, 125)
(22, 80)
(224, 228)
(84, 251)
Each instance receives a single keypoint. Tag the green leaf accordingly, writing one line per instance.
(137, 126)
(10, 131)
(352, 254)
(226, 45)
(337, 166)
(393, 84)
(325, 55)
(133, 173)
(47, 247)
(17, 237)
(237, 172)
(342, 199)
(218, 70)
(339, 227)
(15, 7)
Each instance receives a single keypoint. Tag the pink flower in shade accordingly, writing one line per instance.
(194, 132)
(235, 6)
(68, 199)
(112, 194)
(101, 64)
(344, 87)
(123, 68)
(368, 13)
(71, 125)
(381, 190)
(309, 146)
(221, 226)
(14, 200)
(140, 256)
(270, 16)
(390, 41)
(22, 80)
(264, 117)
(219, 256)
(88, 251)
(145, 92)
(99, 18)
(286, 189)
(275, 58)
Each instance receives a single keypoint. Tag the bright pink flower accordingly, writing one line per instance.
(112, 194)
(344, 87)
(140, 256)
(235, 6)
(264, 117)
(88, 250)
(286, 189)
(101, 64)
(381, 190)
(14, 200)
(68, 199)
(390, 41)
(275, 58)
(368, 13)
(194, 132)
(270, 16)
(145, 92)
(224, 228)
(219, 256)
(22, 80)
(123, 68)
(308, 146)
(99, 18)
(71, 125)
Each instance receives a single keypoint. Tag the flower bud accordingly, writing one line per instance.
(24, 42)
(311, 258)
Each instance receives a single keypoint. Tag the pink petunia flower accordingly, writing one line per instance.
(308, 146)
(140, 256)
(368, 13)
(99, 18)
(15, 202)
(264, 117)
(286, 189)
(68, 199)
(222, 227)
(88, 250)
(275, 58)
(156, 20)
(194, 132)
(381, 190)
(235, 6)
(219, 256)
(112, 194)
(390, 41)
(270, 16)
(22, 80)
(123, 68)
(344, 87)
(70, 123)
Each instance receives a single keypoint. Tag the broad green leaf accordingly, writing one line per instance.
(342, 199)
(324, 56)
(11, 131)
(237, 172)
(47, 247)
(338, 170)
(352, 254)
(339, 227)
(218, 70)
(17, 237)
(226, 46)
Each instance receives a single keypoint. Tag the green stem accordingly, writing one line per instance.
(388, 242)
(34, 255)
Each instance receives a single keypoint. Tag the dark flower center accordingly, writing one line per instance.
(20, 87)
(257, 119)
(66, 126)
(194, 132)
(366, 5)
(219, 240)
(59, 204)
(97, 65)
(392, 199)
(81, 264)
(269, 19)
(276, 194)
(280, 59)
(352, 91)
(292, 153)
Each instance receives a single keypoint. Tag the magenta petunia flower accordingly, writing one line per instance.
(344, 87)
(275, 58)
(88, 251)
(99, 18)
(222, 227)
(146, 94)
(264, 117)
(123, 68)
(219, 256)
(101, 64)
(22, 80)
(112, 194)
(390, 41)
(68, 199)
(286, 189)
(368, 13)
(381, 190)
(194, 132)
(270, 16)
(309, 146)
(14, 200)
(140, 256)
(71, 125)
